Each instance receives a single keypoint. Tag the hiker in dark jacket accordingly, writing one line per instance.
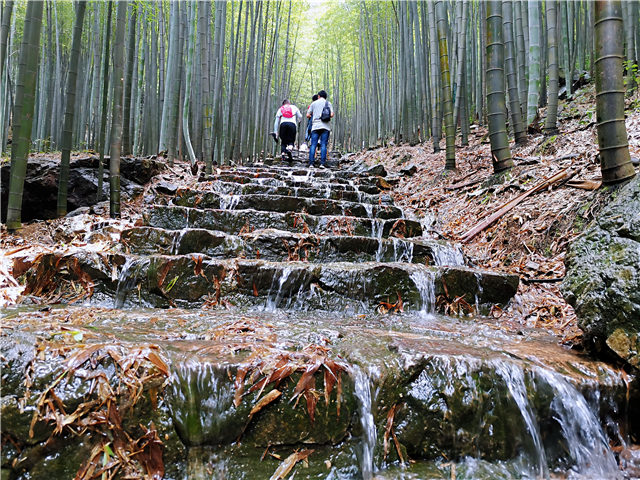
(287, 119)
(320, 128)
(310, 121)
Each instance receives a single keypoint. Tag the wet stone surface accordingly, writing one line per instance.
(603, 276)
(249, 315)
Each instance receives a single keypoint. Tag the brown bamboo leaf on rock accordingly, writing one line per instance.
(266, 400)
(285, 467)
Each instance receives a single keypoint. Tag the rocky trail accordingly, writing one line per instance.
(268, 320)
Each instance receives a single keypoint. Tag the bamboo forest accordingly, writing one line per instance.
(319, 239)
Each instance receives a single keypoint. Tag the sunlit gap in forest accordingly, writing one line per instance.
(348, 240)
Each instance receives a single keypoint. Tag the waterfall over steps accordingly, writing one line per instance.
(298, 310)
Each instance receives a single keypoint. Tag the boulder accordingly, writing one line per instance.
(409, 170)
(376, 171)
(602, 282)
(41, 184)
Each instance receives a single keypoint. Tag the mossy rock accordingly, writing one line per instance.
(602, 282)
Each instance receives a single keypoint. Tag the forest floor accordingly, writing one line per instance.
(531, 239)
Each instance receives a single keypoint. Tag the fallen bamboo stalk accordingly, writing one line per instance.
(561, 175)
(456, 186)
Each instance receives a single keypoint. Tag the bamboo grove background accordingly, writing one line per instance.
(203, 79)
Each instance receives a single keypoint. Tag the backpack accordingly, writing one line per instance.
(326, 112)
(287, 111)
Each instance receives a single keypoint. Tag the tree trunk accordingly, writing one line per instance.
(116, 125)
(552, 49)
(187, 93)
(534, 61)
(450, 133)
(631, 51)
(512, 80)
(615, 161)
(72, 77)
(27, 79)
(128, 79)
(105, 97)
(4, 34)
(496, 98)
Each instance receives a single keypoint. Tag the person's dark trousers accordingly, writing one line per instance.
(287, 137)
(323, 136)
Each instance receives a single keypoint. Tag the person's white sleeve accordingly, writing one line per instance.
(298, 115)
(277, 122)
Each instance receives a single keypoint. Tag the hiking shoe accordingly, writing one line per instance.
(322, 165)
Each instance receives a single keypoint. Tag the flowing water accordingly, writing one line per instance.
(412, 395)
(425, 283)
(362, 391)
(513, 375)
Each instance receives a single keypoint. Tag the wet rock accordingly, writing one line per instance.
(630, 461)
(166, 188)
(284, 204)
(376, 171)
(602, 282)
(41, 187)
(79, 211)
(409, 170)
(236, 222)
(140, 170)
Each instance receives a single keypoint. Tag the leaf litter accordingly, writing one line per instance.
(532, 237)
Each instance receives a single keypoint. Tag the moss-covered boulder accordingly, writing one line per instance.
(602, 282)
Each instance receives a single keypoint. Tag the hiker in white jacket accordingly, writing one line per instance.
(286, 124)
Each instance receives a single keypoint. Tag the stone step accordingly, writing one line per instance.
(270, 177)
(283, 172)
(327, 191)
(281, 246)
(191, 280)
(451, 389)
(283, 204)
(234, 222)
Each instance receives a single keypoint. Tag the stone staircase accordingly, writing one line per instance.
(282, 237)
(278, 349)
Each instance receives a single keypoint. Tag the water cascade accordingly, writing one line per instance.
(287, 338)
(425, 283)
(362, 391)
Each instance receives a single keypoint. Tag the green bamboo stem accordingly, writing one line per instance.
(28, 78)
(187, 93)
(450, 133)
(4, 33)
(534, 61)
(105, 97)
(72, 78)
(615, 161)
(519, 133)
(496, 99)
(128, 81)
(116, 125)
(552, 50)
